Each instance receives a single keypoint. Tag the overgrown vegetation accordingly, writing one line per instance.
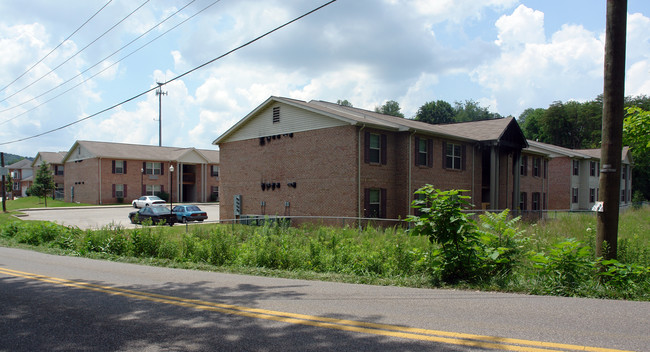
(495, 252)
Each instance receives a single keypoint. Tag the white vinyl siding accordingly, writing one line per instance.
(291, 120)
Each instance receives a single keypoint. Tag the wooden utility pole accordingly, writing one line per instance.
(613, 101)
(4, 186)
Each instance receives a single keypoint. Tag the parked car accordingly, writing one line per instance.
(185, 213)
(158, 215)
(147, 201)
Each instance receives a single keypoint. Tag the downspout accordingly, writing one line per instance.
(359, 174)
(474, 171)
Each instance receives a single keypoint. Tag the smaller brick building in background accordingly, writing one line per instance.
(55, 161)
(106, 173)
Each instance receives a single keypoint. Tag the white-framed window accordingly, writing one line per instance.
(374, 202)
(453, 159)
(58, 170)
(153, 168)
(423, 152)
(574, 195)
(214, 170)
(592, 195)
(576, 167)
(119, 191)
(523, 168)
(535, 201)
(375, 148)
(120, 167)
(523, 200)
(153, 190)
(215, 193)
(537, 163)
(16, 186)
(592, 168)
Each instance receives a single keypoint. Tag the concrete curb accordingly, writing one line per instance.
(103, 206)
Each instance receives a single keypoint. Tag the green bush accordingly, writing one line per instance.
(567, 265)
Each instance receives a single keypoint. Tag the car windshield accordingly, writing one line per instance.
(160, 210)
(155, 198)
(193, 208)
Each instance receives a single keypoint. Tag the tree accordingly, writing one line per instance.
(435, 112)
(472, 111)
(636, 135)
(9, 183)
(44, 182)
(531, 124)
(344, 103)
(391, 107)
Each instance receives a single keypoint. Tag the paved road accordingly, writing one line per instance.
(67, 303)
(98, 217)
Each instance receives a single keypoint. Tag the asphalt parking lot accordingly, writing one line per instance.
(99, 216)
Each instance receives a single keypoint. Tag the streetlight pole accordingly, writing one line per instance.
(171, 196)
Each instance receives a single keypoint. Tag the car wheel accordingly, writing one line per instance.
(146, 204)
(132, 220)
(135, 206)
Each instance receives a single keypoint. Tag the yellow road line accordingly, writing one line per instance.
(455, 338)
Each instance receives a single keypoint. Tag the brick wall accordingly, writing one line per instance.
(559, 187)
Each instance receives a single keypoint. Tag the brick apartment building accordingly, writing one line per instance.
(55, 161)
(575, 173)
(294, 158)
(106, 173)
(22, 176)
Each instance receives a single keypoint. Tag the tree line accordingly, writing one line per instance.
(571, 124)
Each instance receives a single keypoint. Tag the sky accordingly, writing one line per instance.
(68, 65)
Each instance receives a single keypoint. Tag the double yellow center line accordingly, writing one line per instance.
(445, 337)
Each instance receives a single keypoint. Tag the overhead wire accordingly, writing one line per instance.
(77, 53)
(173, 79)
(101, 61)
(51, 51)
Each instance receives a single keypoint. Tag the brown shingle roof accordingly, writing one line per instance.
(141, 152)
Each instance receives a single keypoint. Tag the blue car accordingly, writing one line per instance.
(185, 213)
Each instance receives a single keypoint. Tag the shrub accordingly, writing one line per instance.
(567, 265)
(501, 241)
(442, 219)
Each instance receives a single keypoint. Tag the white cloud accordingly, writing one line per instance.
(524, 26)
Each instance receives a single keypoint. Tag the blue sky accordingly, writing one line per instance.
(508, 55)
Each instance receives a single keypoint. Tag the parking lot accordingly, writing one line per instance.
(99, 216)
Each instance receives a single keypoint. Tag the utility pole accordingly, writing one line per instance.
(160, 93)
(612, 143)
(4, 186)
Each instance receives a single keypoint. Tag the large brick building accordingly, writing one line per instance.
(105, 173)
(294, 158)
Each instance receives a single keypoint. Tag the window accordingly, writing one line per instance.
(453, 156)
(623, 172)
(576, 167)
(598, 169)
(119, 191)
(153, 169)
(119, 166)
(523, 171)
(523, 201)
(574, 195)
(423, 152)
(15, 175)
(536, 205)
(622, 195)
(592, 168)
(545, 168)
(375, 148)
(276, 114)
(537, 163)
(153, 190)
(58, 170)
(375, 202)
(592, 195)
(16, 186)
(214, 194)
(214, 170)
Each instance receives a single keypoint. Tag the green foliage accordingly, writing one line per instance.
(624, 276)
(567, 265)
(391, 107)
(470, 110)
(344, 103)
(443, 221)
(636, 135)
(501, 241)
(435, 112)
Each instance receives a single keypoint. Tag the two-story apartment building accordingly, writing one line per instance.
(291, 157)
(574, 176)
(55, 161)
(105, 173)
(22, 176)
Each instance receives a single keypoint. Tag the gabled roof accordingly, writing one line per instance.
(124, 151)
(495, 131)
(50, 157)
(596, 153)
(555, 151)
(21, 164)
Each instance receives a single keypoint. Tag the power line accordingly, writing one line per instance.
(51, 51)
(77, 53)
(108, 67)
(99, 62)
(175, 78)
